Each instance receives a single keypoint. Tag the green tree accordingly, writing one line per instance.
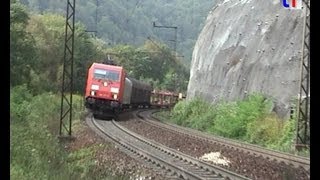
(130, 22)
(87, 50)
(48, 32)
(22, 45)
(153, 63)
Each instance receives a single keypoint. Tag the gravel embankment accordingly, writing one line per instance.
(109, 160)
(251, 166)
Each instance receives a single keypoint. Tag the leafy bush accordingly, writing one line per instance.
(227, 122)
(248, 120)
(255, 105)
(180, 112)
(35, 152)
(19, 103)
(232, 118)
(286, 139)
(196, 114)
(205, 121)
(266, 130)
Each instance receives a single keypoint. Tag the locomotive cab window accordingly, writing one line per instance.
(106, 74)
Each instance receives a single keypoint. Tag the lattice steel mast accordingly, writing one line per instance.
(175, 34)
(67, 75)
(95, 21)
(303, 124)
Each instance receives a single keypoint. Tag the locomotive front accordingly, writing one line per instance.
(104, 88)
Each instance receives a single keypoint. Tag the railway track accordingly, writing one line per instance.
(175, 164)
(289, 159)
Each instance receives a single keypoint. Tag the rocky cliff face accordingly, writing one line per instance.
(248, 46)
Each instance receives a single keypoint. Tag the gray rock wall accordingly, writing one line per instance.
(248, 46)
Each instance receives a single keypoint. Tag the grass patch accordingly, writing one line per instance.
(82, 161)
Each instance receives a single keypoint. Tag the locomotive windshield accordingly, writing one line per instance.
(106, 74)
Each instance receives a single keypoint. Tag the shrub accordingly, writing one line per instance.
(19, 103)
(265, 131)
(248, 120)
(35, 152)
(18, 94)
(204, 121)
(286, 140)
(196, 114)
(232, 118)
(254, 106)
(226, 122)
(180, 112)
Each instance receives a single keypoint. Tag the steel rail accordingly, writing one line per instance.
(181, 165)
(287, 158)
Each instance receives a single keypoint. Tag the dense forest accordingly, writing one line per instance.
(131, 22)
(37, 44)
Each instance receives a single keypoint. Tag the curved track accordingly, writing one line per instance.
(289, 159)
(174, 163)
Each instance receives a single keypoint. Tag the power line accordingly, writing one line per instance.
(135, 7)
(95, 32)
(192, 13)
(96, 18)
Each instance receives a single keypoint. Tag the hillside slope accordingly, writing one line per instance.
(248, 46)
(131, 22)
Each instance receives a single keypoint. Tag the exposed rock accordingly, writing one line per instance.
(248, 46)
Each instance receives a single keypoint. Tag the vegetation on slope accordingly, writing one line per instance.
(248, 120)
(34, 149)
(36, 59)
(36, 55)
(131, 22)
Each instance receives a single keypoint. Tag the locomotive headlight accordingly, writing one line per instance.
(114, 90)
(94, 87)
(93, 93)
(115, 96)
(105, 83)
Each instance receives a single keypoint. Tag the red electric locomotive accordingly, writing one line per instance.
(109, 91)
(104, 89)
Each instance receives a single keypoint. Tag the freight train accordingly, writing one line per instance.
(110, 91)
